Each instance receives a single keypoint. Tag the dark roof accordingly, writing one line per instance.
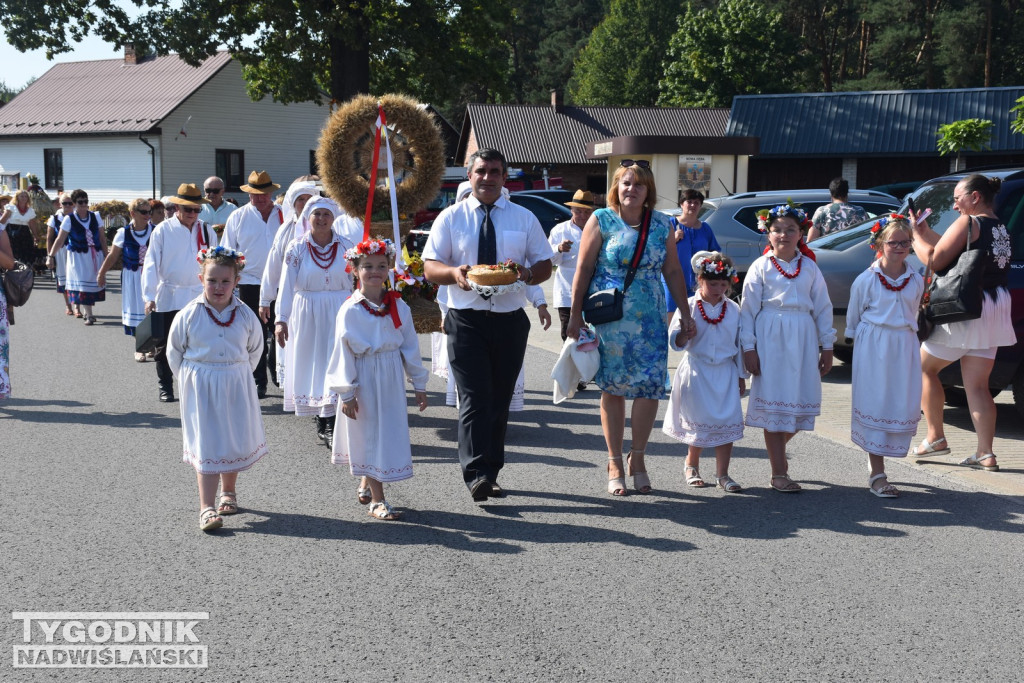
(105, 96)
(865, 123)
(541, 134)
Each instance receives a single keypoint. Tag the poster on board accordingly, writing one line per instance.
(695, 173)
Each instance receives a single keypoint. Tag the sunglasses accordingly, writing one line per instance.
(143, 213)
(642, 163)
(67, 203)
(189, 209)
(213, 190)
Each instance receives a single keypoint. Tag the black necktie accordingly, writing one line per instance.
(487, 251)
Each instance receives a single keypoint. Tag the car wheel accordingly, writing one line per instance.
(957, 397)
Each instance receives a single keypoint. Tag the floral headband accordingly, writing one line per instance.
(715, 269)
(766, 216)
(876, 229)
(221, 252)
(370, 246)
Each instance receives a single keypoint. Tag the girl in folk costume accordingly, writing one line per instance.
(60, 270)
(214, 343)
(87, 246)
(131, 242)
(375, 346)
(882, 320)
(314, 285)
(704, 408)
(785, 318)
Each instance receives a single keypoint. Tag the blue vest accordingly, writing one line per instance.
(76, 238)
(130, 252)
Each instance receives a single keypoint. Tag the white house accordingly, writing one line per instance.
(127, 128)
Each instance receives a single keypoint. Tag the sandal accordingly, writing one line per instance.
(617, 485)
(926, 449)
(974, 462)
(78, 314)
(69, 311)
(641, 482)
(693, 477)
(790, 486)
(90, 320)
(887, 491)
(228, 504)
(209, 520)
(383, 511)
(727, 484)
(363, 495)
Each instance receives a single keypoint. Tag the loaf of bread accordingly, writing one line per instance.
(493, 275)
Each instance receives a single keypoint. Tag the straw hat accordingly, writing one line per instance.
(260, 183)
(188, 195)
(583, 199)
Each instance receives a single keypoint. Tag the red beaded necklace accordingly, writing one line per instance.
(384, 309)
(323, 259)
(892, 288)
(709, 321)
(799, 264)
(214, 318)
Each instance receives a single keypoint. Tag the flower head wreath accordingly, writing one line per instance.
(879, 227)
(221, 253)
(766, 216)
(712, 269)
(370, 246)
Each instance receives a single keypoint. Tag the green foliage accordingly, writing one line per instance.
(1017, 125)
(738, 47)
(621, 64)
(968, 134)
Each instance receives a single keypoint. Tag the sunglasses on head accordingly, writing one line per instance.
(628, 163)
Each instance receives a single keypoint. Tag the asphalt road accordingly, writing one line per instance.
(558, 582)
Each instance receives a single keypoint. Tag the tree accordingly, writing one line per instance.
(739, 47)
(622, 62)
(1017, 125)
(968, 134)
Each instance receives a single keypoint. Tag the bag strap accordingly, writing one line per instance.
(641, 244)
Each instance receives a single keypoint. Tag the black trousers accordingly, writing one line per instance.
(485, 351)
(165, 378)
(563, 318)
(250, 296)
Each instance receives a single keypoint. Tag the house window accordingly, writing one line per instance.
(230, 163)
(313, 170)
(53, 168)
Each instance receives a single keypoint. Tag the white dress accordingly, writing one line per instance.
(886, 361)
(221, 421)
(704, 407)
(370, 362)
(308, 301)
(60, 258)
(786, 320)
(133, 308)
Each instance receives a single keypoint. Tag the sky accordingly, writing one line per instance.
(20, 67)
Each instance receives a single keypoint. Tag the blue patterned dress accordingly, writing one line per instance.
(634, 352)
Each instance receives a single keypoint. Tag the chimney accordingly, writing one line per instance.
(129, 55)
(557, 100)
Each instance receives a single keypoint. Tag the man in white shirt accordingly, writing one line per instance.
(218, 210)
(251, 230)
(486, 335)
(565, 240)
(170, 275)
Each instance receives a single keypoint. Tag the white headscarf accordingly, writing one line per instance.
(302, 225)
(296, 190)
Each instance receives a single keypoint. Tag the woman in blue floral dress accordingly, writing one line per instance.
(6, 261)
(634, 350)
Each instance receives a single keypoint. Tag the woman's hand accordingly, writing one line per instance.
(150, 306)
(101, 280)
(572, 330)
(743, 386)
(752, 363)
(264, 313)
(281, 334)
(350, 407)
(825, 361)
(544, 316)
(421, 400)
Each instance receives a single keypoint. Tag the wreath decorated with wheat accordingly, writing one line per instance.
(345, 153)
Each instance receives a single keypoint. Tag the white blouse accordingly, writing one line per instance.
(170, 276)
(713, 344)
(871, 302)
(302, 274)
(766, 288)
(195, 337)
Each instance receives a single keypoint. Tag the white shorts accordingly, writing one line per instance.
(950, 353)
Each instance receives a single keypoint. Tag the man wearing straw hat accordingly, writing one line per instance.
(251, 229)
(565, 240)
(486, 334)
(170, 274)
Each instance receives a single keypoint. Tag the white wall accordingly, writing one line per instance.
(276, 138)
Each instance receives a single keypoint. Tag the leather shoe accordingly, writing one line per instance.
(497, 491)
(480, 490)
(166, 396)
(261, 391)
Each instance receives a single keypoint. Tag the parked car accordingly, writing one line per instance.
(843, 255)
(558, 196)
(733, 218)
(898, 189)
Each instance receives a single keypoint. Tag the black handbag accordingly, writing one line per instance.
(18, 283)
(605, 306)
(151, 334)
(956, 294)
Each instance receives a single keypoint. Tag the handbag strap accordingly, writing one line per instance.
(641, 244)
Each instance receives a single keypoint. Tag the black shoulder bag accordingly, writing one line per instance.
(606, 306)
(956, 294)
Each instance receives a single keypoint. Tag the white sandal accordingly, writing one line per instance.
(727, 484)
(926, 449)
(887, 491)
(974, 462)
(693, 478)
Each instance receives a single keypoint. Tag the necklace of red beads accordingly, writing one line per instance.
(384, 309)
(709, 321)
(214, 318)
(799, 264)
(892, 288)
(323, 259)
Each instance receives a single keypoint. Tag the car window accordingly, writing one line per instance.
(876, 208)
(1011, 213)
(844, 239)
(545, 213)
(747, 216)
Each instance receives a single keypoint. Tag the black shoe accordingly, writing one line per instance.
(261, 391)
(329, 432)
(480, 490)
(581, 386)
(497, 491)
(321, 428)
(166, 396)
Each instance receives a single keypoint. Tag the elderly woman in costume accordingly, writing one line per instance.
(131, 242)
(314, 285)
(87, 247)
(22, 225)
(60, 270)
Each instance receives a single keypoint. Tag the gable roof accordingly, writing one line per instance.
(882, 122)
(542, 134)
(105, 96)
